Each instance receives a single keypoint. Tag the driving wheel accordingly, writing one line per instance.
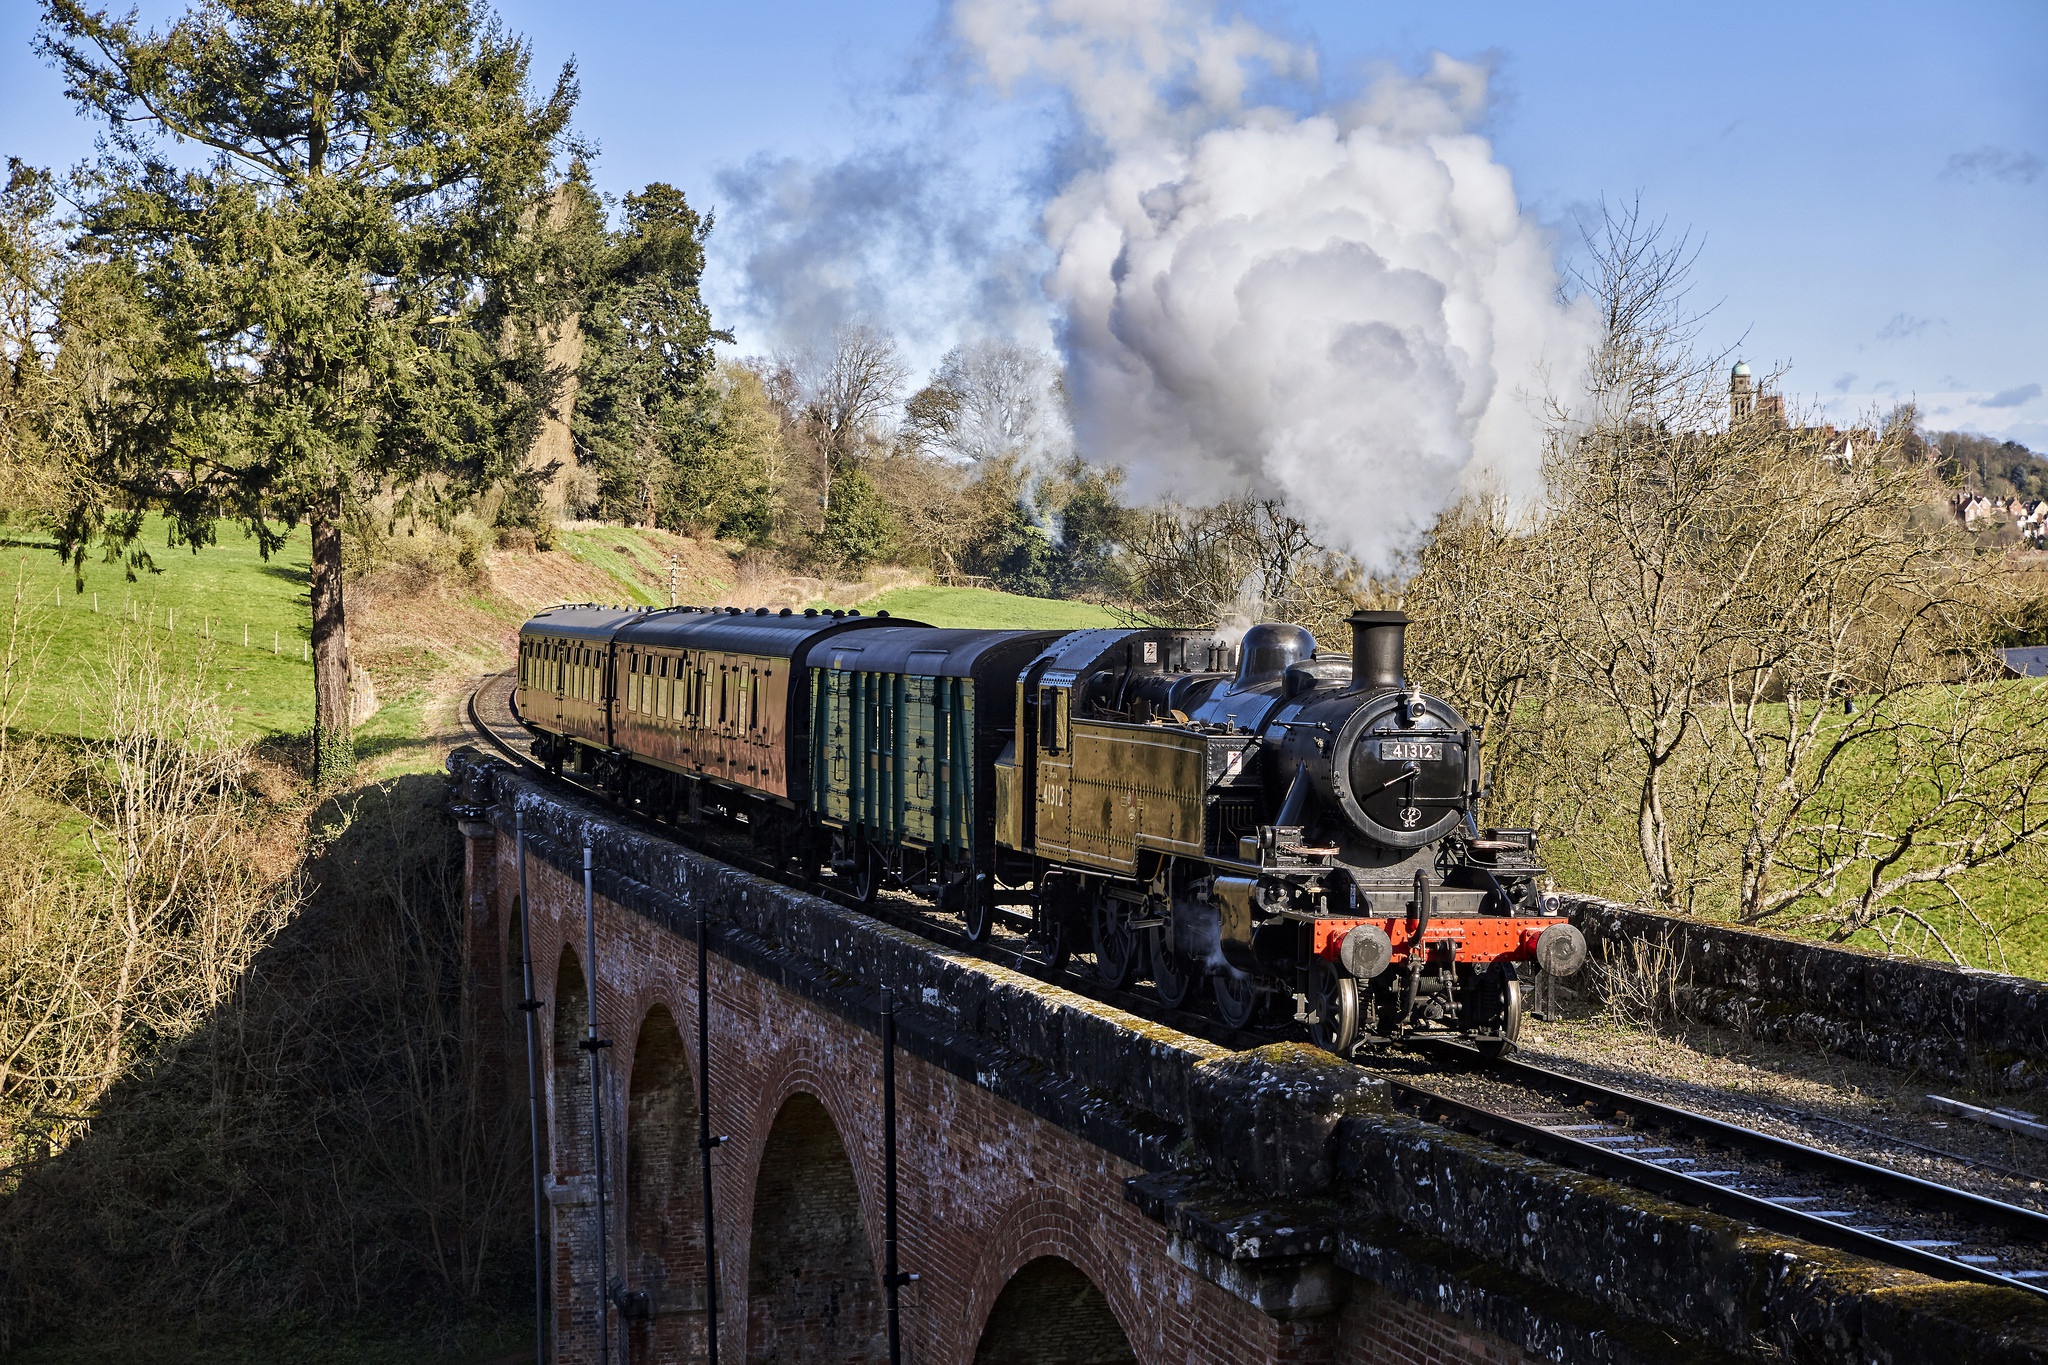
(1116, 943)
(1237, 995)
(1172, 977)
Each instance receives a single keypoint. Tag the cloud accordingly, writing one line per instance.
(2019, 168)
(2012, 398)
(1903, 327)
(1845, 381)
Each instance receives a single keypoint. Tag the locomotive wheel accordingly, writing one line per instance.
(1172, 977)
(1237, 997)
(1116, 943)
(1054, 941)
(1333, 999)
(1510, 1018)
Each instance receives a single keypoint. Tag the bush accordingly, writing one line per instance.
(859, 527)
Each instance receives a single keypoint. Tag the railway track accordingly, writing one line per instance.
(1789, 1187)
(1793, 1188)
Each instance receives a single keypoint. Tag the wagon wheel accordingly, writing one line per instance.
(976, 912)
(1116, 943)
(1333, 1002)
(1172, 977)
(867, 875)
(804, 855)
(1510, 990)
(1237, 996)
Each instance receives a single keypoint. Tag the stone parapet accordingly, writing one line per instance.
(1984, 1027)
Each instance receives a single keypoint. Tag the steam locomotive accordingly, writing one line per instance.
(1298, 830)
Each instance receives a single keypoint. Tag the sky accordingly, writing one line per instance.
(1868, 182)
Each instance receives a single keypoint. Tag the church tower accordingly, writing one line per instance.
(1741, 394)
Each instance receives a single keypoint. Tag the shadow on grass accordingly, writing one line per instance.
(322, 1171)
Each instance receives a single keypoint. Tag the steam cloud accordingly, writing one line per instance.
(1346, 306)
(1251, 286)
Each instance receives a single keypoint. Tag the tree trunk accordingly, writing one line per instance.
(334, 753)
(1654, 839)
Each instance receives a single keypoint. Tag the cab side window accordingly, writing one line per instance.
(1052, 720)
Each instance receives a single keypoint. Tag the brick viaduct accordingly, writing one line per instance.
(1077, 1185)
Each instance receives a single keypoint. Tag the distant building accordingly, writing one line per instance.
(1981, 512)
(1747, 403)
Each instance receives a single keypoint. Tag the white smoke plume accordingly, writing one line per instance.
(1344, 306)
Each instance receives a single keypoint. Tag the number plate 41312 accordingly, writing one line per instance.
(1411, 751)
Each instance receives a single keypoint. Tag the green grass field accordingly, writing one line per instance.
(611, 550)
(987, 609)
(245, 616)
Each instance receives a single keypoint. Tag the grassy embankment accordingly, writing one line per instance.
(244, 619)
(181, 1184)
(1910, 755)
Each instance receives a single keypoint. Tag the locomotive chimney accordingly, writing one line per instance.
(1378, 640)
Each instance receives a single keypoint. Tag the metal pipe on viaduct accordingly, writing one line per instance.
(1076, 1184)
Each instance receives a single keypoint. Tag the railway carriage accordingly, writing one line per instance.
(1299, 830)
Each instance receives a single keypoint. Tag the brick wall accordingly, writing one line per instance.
(985, 1188)
(1384, 1329)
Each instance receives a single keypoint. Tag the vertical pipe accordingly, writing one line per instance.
(705, 1142)
(530, 1007)
(891, 1280)
(592, 1043)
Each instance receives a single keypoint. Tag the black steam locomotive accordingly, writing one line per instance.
(1297, 828)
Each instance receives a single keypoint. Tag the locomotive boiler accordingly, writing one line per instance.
(1298, 831)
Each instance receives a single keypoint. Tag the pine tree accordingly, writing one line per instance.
(641, 414)
(347, 283)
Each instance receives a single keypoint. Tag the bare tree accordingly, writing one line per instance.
(1738, 654)
(992, 400)
(835, 404)
(1247, 558)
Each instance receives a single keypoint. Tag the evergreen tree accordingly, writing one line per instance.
(347, 290)
(641, 411)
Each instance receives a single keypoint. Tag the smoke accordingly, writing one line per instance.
(1343, 306)
(1252, 285)
(901, 237)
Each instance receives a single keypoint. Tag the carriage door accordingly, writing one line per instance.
(1054, 785)
(558, 671)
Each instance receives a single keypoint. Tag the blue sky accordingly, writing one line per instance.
(1870, 180)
